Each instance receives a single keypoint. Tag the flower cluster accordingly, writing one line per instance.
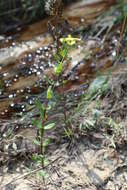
(69, 40)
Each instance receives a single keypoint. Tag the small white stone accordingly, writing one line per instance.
(114, 53)
(5, 74)
(12, 104)
(82, 20)
(38, 73)
(10, 96)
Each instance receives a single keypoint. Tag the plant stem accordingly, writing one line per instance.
(42, 134)
(64, 105)
(41, 143)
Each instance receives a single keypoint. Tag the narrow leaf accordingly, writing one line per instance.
(37, 124)
(59, 68)
(46, 142)
(49, 126)
(36, 142)
(49, 93)
(40, 107)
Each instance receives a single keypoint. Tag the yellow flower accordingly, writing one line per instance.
(69, 40)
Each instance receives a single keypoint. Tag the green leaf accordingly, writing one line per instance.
(48, 80)
(46, 142)
(49, 126)
(90, 123)
(59, 68)
(63, 53)
(46, 162)
(68, 132)
(1, 86)
(42, 174)
(36, 142)
(40, 107)
(57, 58)
(49, 93)
(38, 158)
(99, 85)
(37, 124)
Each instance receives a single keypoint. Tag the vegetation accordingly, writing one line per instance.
(89, 106)
(61, 57)
(100, 110)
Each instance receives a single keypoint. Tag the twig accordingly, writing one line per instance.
(32, 172)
